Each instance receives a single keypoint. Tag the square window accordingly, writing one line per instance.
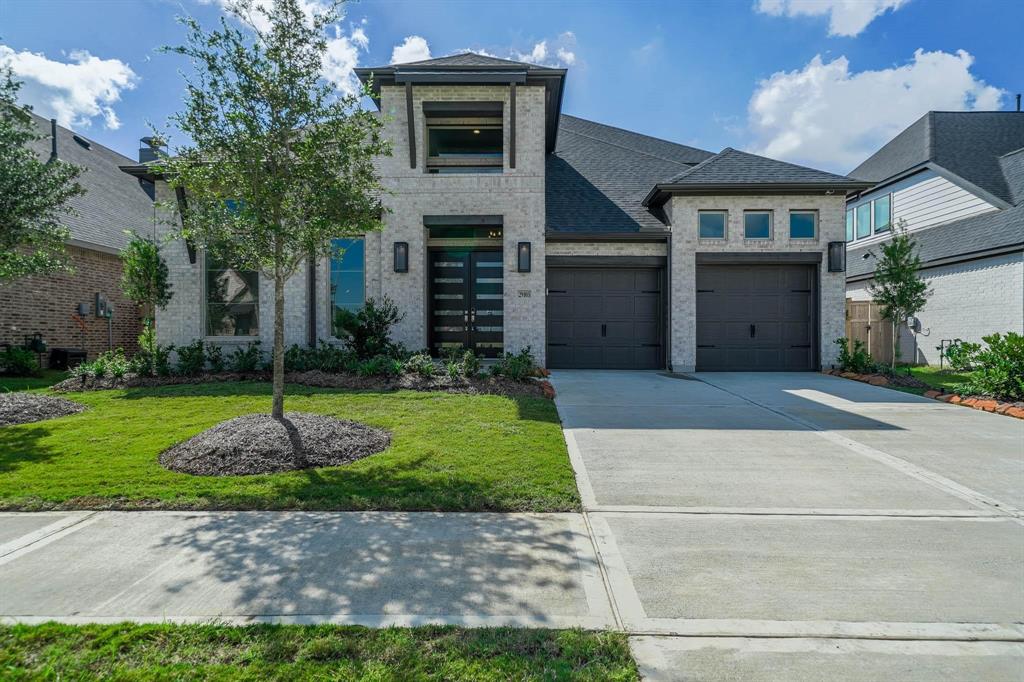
(803, 224)
(465, 147)
(849, 224)
(882, 209)
(864, 220)
(757, 225)
(711, 224)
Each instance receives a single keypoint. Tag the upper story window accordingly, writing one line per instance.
(882, 213)
(465, 146)
(711, 224)
(348, 284)
(868, 218)
(849, 224)
(863, 220)
(803, 224)
(232, 300)
(757, 225)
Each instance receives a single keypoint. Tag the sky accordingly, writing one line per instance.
(822, 83)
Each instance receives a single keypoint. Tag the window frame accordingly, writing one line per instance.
(875, 228)
(851, 225)
(857, 221)
(330, 272)
(435, 165)
(813, 212)
(205, 304)
(725, 223)
(771, 224)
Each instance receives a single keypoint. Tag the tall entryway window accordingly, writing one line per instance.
(467, 300)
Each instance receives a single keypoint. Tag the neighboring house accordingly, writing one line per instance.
(513, 225)
(956, 180)
(61, 307)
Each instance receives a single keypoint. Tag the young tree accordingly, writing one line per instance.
(34, 194)
(279, 163)
(896, 286)
(144, 277)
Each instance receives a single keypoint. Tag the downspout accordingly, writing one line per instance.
(668, 300)
(311, 299)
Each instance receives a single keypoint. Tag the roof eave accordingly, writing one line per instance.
(662, 191)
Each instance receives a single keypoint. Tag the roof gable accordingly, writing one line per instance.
(731, 166)
(469, 59)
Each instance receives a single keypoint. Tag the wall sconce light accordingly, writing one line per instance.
(523, 256)
(401, 256)
(837, 256)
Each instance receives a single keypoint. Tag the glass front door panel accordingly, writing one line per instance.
(467, 301)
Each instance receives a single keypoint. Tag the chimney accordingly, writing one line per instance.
(152, 149)
(53, 139)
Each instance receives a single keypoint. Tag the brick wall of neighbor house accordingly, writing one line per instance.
(47, 304)
(969, 300)
(685, 244)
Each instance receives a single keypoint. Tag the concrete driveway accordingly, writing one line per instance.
(801, 526)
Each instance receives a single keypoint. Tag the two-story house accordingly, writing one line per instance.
(513, 225)
(955, 181)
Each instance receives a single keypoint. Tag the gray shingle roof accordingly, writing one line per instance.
(732, 166)
(598, 176)
(468, 59)
(113, 201)
(966, 143)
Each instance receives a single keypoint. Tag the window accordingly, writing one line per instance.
(232, 300)
(711, 224)
(803, 224)
(473, 146)
(757, 225)
(849, 224)
(864, 220)
(882, 209)
(348, 265)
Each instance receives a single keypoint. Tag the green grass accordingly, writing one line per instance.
(49, 378)
(944, 380)
(311, 652)
(449, 452)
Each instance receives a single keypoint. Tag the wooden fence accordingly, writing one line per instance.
(864, 323)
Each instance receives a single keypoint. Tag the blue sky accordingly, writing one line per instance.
(819, 82)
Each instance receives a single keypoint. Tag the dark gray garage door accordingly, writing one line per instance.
(755, 317)
(605, 318)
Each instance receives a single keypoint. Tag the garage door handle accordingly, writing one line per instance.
(604, 330)
(753, 330)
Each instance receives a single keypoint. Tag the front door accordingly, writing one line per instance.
(467, 301)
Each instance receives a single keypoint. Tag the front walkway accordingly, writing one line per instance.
(800, 526)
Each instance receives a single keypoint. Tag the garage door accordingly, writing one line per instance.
(604, 318)
(755, 317)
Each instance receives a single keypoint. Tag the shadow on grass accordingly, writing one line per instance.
(20, 444)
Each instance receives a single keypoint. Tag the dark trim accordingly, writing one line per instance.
(659, 193)
(942, 172)
(463, 109)
(477, 77)
(745, 257)
(949, 260)
(311, 299)
(179, 195)
(512, 125)
(141, 171)
(654, 237)
(412, 125)
(606, 261)
(453, 220)
(667, 360)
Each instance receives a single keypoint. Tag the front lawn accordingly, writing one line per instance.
(295, 652)
(943, 380)
(449, 452)
(47, 378)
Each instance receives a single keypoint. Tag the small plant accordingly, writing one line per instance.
(961, 355)
(470, 364)
(368, 330)
(518, 367)
(856, 360)
(453, 368)
(246, 359)
(145, 278)
(152, 358)
(331, 358)
(19, 362)
(215, 356)
(381, 365)
(296, 358)
(421, 364)
(999, 368)
(111, 363)
(191, 358)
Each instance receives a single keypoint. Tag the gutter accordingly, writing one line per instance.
(663, 190)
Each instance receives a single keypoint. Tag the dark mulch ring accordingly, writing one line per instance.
(23, 408)
(260, 444)
(484, 385)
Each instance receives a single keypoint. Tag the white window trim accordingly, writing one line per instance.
(725, 228)
(771, 224)
(814, 214)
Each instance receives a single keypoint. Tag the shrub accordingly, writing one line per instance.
(518, 366)
(328, 357)
(470, 364)
(421, 364)
(368, 330)
(856, 360)
(999, 368)
(152, 358)
(380, 365)
(246, 359)
(961, 355)
(453, 368)
(296, 358)
(19, 362)
(111, 363)
(191, 358)
(215, 356)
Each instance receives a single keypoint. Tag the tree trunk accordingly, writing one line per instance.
(278, 409)
(895, 345)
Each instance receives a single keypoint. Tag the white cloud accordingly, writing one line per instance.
(559, 51)
(73, 92)
(412, 49)
(846, 17)
(825, 115)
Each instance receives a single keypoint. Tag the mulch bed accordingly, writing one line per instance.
(24, 408)
(259, 444)
(483, 385)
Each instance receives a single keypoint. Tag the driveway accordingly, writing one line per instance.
(801, 526)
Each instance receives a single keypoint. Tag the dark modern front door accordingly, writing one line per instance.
(756, 317)
(467, 301)
(606, 318)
